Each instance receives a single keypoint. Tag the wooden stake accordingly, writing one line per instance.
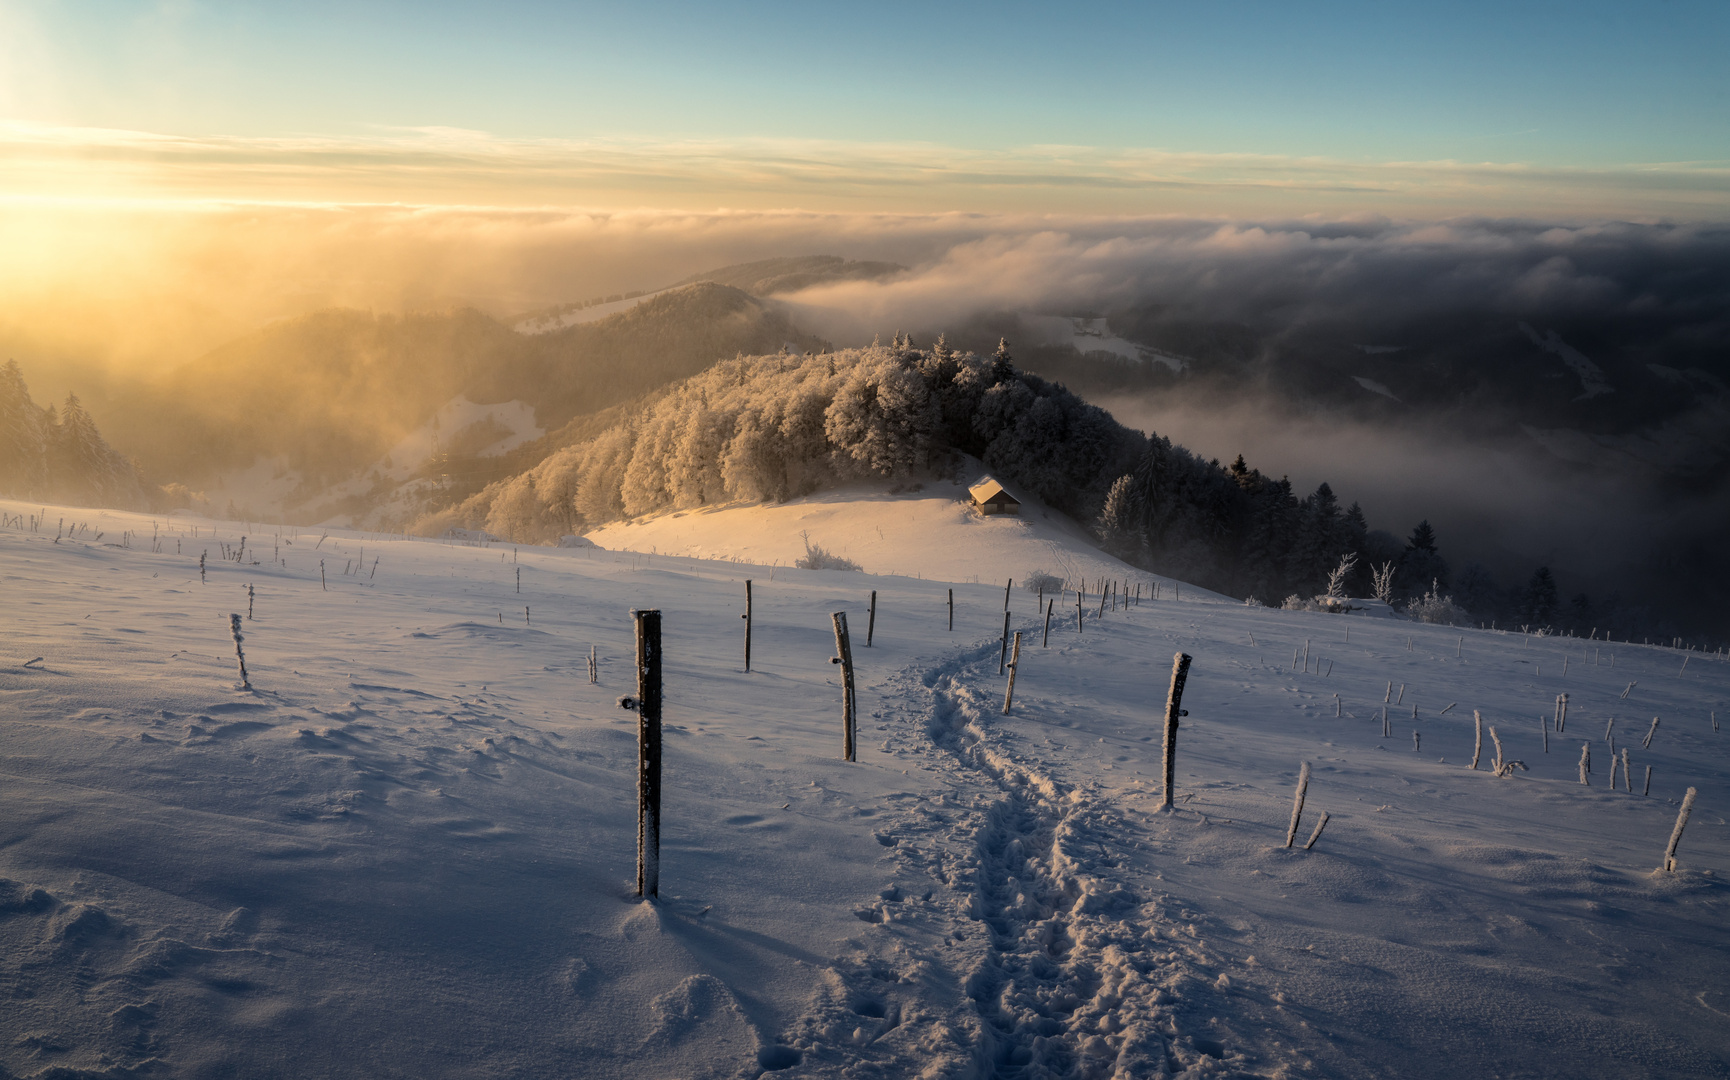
(844, 657)
(1544, 730)
(1297, 803)
(1014, 663)
(1585, 763)
(1627, 777)
(1078, 611)
(952, 610)
(1402, 696)
(871, 620)
(1478, 739)
(249, 603)
(1676, 834)
(1003, 649)
(1050, 606)
(1317, 835)
(648, 706)
(1006, 589)
(1173, 711)
(747, 618)
(594, 667)
(1417, 745)
(1648, 789)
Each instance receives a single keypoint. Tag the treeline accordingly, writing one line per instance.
(58, 454)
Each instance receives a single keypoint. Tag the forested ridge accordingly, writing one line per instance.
(57, 454)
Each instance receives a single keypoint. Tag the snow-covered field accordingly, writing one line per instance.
(408, 851)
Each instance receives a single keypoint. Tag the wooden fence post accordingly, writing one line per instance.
(1478, 738)
(1014, 664)
(1050, 605)
(1173, 710)
(1078, 611)
(951, 610)
(871, 620)
(844, 657)
(1297, 803)
(648, 706)
(1676, 834)
(1003, 649)
(1006, 589)
(747, 618)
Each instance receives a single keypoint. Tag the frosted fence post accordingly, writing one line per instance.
(1562, 721)
(249, 598)
(1648, 789)
(1585, 763)
(1003, 649)
(1417, 743)
(519, 580)
(844, 657)
(239, 654)
(747, 618)
(1402, 696)
(1336, 706)
(1499, 766)
(1612, 769)
(1676, 834)
(201, 566)
(1306, 656)
(321, 582)
(1173, 711)
(594, 668)
(1050, 606)
(648, 706)
(1387, 728)
(1297, 803)
(1317, 835)
(1389, 696)
(1014, 663)
(1478, 738)
(1627, 777)
(1544, 732)
(871, 620)
(1651, 731)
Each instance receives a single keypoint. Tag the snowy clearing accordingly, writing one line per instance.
(409, 849)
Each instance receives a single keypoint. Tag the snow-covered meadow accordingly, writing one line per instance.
(409, 849)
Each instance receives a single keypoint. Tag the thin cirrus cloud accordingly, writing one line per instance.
(433, 166)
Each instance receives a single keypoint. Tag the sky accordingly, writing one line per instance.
(1417, 109)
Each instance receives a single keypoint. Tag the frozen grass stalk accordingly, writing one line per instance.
(1321, 824)
(1646, 744)
(1676, 833)
(1297, 803)
(239, 653)
(1478, 738)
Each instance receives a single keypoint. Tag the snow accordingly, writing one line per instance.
(1374, 387)
(1591, 376)
(408, 851)
(1090, 335)
(561, 317)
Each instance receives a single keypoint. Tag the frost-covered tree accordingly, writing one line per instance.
(24, 437)
(1538, 602)
(1119, 525)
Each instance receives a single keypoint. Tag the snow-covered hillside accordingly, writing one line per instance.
(932, 531)
(408, 849)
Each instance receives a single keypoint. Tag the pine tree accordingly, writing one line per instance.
(1002, 364)
(1421, 565)
(24, 437)
(1538, 605)
(1120, 526)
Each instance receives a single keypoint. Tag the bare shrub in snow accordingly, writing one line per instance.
(1337, 576)
(1294, 602)
(1038, 581)
(1440, 610)
(817, 558)
(1382, 582)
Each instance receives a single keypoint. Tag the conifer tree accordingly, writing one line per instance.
(24, 435)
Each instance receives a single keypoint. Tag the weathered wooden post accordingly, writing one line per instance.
(647, 704)
(1317, 835)
(1014, 664)
(747, 618)
(1648, 788)
(1585, 763)
(1627, 777)
(594, 668)
(1173, 710)
(1676, 834)
(844, 657)
(1297, 803)
(952, 610)
(1646, 744)
(1050, 606)
(1003, 649)
(1006, 589)
(249, 603)
(1078, 611)
(239, 653)
(871, 620)
(1478, 738)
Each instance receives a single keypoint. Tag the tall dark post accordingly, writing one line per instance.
(1050, 606)
(1006, 589)
(1173, 710)
(1078, 611)
(844, 657)
(871, 620)
(648, 752)
(1003, 650)
(952, 609)
(1014, 665)
(747, 618)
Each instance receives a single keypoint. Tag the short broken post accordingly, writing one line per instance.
(1173, 710)
(647, 704)
(1297, 804)
(1676, 834)
(844, 657)
(239, 653)
(1585, 763)
(1014, 664)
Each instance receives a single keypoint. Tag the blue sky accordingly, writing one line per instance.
(1583, 85)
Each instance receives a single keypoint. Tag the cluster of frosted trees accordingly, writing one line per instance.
(772, 427)
(58, 454)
